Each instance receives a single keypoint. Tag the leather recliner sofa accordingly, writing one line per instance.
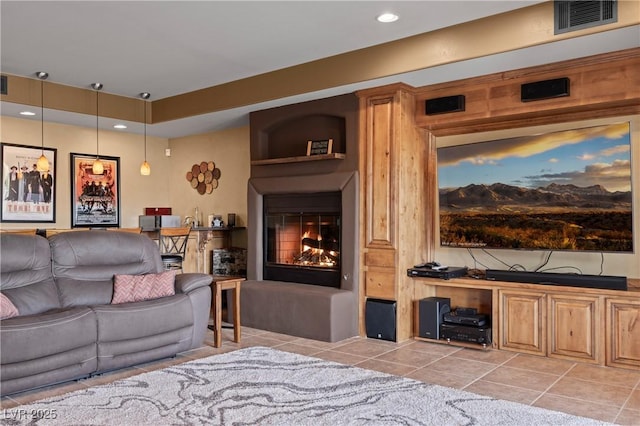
(67, 327)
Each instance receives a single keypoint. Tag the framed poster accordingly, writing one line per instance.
(95, 199)
(28, 195)
(320, 147)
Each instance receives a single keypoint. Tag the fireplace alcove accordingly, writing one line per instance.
(279, 137)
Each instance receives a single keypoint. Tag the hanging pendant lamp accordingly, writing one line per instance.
(42, 165)
(97, 167)
(145, 168)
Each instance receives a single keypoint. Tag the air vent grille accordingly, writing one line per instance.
(577, 15)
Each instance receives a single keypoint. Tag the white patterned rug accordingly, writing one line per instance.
(262, 386)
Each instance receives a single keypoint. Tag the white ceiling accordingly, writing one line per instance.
(173, 47)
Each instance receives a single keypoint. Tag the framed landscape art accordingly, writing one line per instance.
(95, 199)
(28, 194)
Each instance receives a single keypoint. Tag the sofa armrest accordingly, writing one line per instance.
(186, 283)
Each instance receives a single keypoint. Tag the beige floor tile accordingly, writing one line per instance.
(502, 391)
(607, 375)
(633, 402)
(276, 336)
(386, 367)
(628, 418)
(591, 391)
(602, 412)
(340, 357)
(298, 349)
(491, 356)
(367, 348)
(257, 340)
(47, 392)
(7, 403)
(407, 356)
(319, 344)
(521, 378)
(429, 375)
(436, 348)
(540, 364)
(462, 367)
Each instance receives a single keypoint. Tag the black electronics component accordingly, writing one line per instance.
(445, 104)
(544, 89)
(607, 282)
(464, 333)
(430, 315)
(444, 273)
(380, 319)
(475, 320)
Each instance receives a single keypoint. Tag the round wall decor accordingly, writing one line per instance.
(203, 177)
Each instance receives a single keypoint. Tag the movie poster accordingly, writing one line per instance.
(95, 197)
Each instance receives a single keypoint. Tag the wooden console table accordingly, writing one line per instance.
(218, 284)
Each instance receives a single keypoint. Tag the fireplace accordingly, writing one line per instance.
(302, 238)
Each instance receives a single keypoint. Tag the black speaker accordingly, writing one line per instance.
(446, 104)
(380, 319)
(3, 85)
(430, 313)
(544, 89)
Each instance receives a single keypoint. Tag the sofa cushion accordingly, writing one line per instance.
(31, 337)
(7, 308)
(34, 298)
(136, 288)
(26, 259)
(99, 255)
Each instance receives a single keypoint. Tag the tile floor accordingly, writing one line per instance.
(602, 393)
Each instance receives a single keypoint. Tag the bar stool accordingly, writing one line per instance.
(173, 246)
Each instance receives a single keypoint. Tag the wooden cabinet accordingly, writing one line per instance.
(579, 324)
(559, 325)
(522, 321)
(575, 327)
(623, 332)
(392, 199)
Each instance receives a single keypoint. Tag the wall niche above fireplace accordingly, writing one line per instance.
(279, 137)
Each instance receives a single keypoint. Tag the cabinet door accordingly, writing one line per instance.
(522, 321)
(623, 333)
(574, 327)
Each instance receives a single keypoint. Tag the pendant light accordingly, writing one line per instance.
(145, 168)
(42, 165)
(97, 167)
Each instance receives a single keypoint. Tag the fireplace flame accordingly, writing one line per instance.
(314, 255)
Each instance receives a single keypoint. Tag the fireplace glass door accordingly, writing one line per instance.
(302, 238)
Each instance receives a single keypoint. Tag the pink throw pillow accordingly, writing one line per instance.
(7, 308)
(135, 288)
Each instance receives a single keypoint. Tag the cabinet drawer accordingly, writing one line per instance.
(380, 284)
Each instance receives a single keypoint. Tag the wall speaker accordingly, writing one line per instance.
(546, 89)
(430, 315)
(380, 319)
(3, 85)
(446, 104)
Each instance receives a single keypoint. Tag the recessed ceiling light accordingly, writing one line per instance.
(29, 113)
(119, 126)
(387, 17)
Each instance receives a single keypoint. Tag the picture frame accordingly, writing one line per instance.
(95, 199)
(20, 203)
(320, 147)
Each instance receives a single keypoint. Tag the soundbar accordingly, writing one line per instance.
(606, 282)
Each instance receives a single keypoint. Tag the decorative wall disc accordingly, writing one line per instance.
(203, 177)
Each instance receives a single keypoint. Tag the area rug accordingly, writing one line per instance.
(263, 386)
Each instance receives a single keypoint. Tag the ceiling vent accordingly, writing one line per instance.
(578, 15)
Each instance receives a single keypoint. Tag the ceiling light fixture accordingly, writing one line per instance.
(42, 165)
(97, 168)
(119, 126)
(28, 113)
(387, 17)
(145, 168)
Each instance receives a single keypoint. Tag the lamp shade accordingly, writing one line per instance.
(145, 169)
(97, 168)
(42, 164)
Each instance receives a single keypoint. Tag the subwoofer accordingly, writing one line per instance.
(430, 314)
(380, 319)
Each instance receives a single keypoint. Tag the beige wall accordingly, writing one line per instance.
(229, 150)
(167, 185)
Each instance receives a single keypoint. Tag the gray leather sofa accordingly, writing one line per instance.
(68, 328)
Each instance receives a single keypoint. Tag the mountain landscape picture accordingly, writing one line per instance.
(567, 190)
